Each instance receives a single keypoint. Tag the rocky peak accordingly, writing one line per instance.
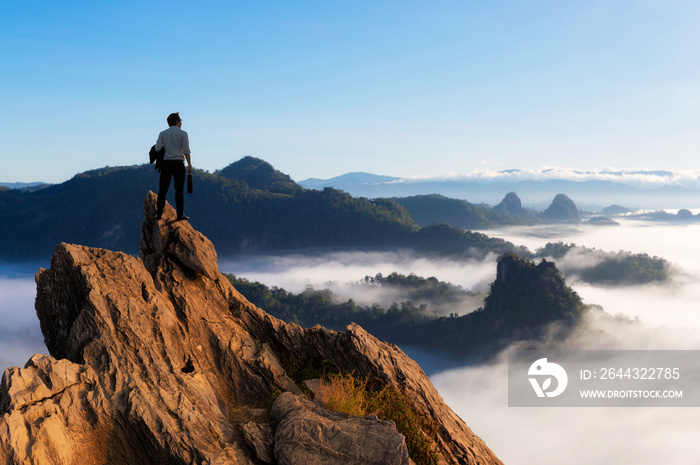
(562, 208)
(510, 205)
(530, 295)
(159, 360)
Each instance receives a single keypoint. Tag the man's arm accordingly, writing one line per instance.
(159, 142)
(186, 151)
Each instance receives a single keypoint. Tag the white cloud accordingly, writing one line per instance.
(635, 177)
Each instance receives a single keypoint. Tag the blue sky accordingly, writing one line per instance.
(320, 88)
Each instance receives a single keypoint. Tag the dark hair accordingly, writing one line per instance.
(173, 118)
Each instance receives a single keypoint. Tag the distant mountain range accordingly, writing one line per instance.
(591, 191)
(23, 185)
(248, 206)
(348, 180)
(634, 190)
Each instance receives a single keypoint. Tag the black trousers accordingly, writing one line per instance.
(172, 169)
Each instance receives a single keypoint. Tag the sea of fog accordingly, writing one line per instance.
(20, 335)
(669, 318)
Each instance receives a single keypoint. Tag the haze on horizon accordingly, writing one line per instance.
(320, 89)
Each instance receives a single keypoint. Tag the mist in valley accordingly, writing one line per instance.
(673, 303)
(20, 334)
(668, 318)
(344, 273)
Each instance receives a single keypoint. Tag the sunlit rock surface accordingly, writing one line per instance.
(159, 360)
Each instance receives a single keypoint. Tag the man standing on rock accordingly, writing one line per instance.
(177, 150)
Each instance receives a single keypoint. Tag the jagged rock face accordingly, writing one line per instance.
(159, 360)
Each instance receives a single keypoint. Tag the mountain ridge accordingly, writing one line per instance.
(101, 208)
(591, 194)
(350, 179)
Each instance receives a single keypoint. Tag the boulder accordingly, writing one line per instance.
(309, 433)
(260, 437)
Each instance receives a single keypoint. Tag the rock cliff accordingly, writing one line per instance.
(159, 360)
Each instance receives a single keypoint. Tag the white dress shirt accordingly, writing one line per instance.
(176, 143)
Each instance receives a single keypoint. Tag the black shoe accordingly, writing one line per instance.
(183, 217)
(158, 217)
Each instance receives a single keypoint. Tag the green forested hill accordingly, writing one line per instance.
(247, 206)
(260, 175)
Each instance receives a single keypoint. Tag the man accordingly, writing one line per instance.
(177, 150)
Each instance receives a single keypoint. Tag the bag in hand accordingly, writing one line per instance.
(189, 183)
